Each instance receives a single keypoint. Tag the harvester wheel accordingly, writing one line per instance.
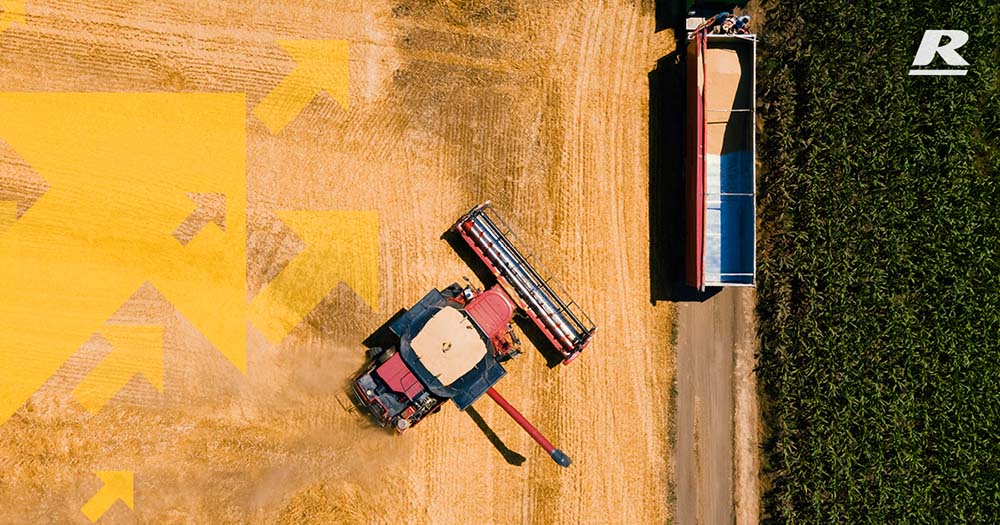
(385, 355)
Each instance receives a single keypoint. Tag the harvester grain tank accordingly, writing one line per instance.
(452, 344)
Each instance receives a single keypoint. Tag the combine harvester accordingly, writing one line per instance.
(720, 158)
(452, 343)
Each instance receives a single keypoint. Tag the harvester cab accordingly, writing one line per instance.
(452, 343)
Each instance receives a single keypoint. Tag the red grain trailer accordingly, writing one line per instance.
(720, 175)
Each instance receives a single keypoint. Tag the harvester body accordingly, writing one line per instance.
(441, 352)
(452, 343)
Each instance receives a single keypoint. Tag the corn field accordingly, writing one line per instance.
(879, 265)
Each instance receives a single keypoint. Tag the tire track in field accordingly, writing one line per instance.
(556, 219)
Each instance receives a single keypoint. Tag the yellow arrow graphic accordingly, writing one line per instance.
(8, 214)
(209, 208)
(136, 349)
(321, 65)
(341, 246)
(13, 11)
(118, 168)
(118, 485)
(20, 185)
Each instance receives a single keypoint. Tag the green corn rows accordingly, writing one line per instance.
(879, 265)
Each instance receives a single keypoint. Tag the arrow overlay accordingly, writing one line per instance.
(8, 214)
(117, 168)
(118, 485)
(136, 349)
(321, 65)
(19, 183)
(208, 208)
(341, 246)
(13, 11)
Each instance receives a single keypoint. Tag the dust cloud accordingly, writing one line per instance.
(218, 446)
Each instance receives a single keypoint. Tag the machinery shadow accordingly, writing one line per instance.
(670, 14)
(531, 332)
(552, 356)
(383, 336)
(470, 259)
(511, 457)
(667, 223)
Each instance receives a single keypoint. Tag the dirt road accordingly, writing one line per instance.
(714, 340)
(539, 106)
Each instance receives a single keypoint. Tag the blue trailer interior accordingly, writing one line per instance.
(729, 219)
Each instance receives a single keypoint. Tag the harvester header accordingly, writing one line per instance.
(557, 316)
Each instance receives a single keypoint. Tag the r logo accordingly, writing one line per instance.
(931, 45)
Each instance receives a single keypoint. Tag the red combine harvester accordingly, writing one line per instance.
(452, 343)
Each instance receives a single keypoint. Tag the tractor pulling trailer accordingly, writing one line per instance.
(452, 344)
